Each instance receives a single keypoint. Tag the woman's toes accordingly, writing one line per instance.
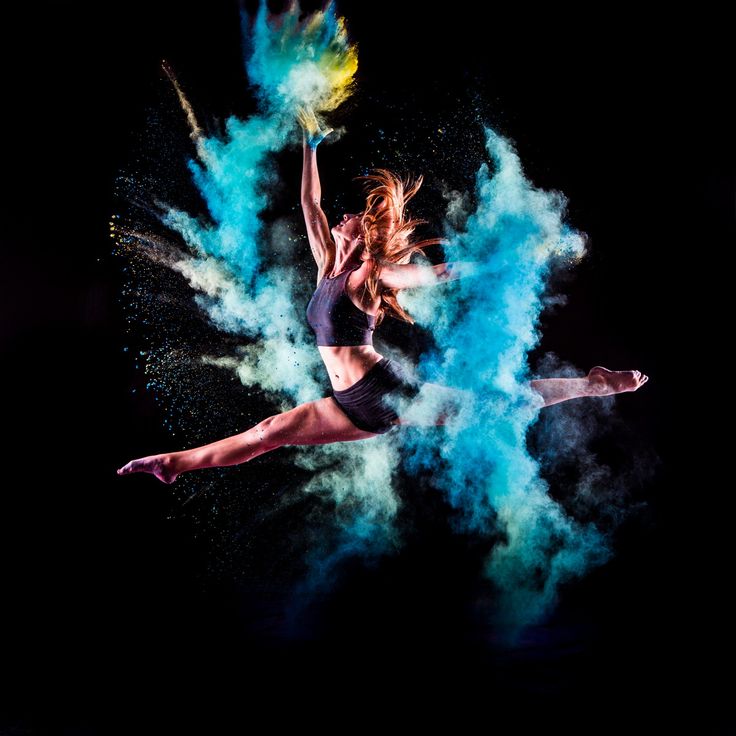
(130, 467)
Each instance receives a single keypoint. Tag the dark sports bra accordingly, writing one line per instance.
(333, 316)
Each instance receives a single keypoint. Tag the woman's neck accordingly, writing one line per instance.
(347, 260)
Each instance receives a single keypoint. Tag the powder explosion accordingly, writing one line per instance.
(250, 283)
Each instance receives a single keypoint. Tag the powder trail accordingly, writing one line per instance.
(247, 278)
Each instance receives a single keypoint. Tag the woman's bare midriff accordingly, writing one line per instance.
(347, 364)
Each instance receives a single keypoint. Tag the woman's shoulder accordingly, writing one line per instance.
(368, 267)
(373, 264)
(359, 275)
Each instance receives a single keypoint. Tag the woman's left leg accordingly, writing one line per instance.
(313, 423)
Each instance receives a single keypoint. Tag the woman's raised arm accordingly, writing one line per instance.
(318, 229)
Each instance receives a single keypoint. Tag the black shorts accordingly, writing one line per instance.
(371, 402)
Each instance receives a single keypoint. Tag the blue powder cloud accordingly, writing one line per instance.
(483, 327)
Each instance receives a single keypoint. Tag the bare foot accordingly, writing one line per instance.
(160, 465)
(604, 382)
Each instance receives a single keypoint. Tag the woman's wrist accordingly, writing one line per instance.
(312, 132)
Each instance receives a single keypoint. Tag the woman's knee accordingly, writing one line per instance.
(266, 431)
(280, 429)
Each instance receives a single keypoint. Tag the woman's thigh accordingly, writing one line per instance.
(434, 404)
(313, 423)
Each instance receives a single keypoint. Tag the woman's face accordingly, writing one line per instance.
(349, 227)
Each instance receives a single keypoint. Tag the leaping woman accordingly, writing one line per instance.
(362, 263)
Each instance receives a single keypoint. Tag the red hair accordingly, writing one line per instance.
(386, 228)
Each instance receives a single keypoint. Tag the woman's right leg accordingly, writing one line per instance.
(439, 404)
(600, 381)
(313, 423)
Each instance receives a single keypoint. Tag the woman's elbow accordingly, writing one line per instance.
(310, 201)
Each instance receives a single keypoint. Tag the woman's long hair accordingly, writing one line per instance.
(386, 229)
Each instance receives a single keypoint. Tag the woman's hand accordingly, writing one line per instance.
(313, 133)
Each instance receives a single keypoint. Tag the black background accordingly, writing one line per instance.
(105, 626)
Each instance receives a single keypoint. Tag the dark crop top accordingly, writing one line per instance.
(333, 316)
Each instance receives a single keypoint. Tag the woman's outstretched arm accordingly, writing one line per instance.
(318, 229)
(410, 275)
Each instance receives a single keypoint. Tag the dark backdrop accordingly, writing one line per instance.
(104, 615)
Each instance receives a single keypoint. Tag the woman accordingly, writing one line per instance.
(362, 262)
